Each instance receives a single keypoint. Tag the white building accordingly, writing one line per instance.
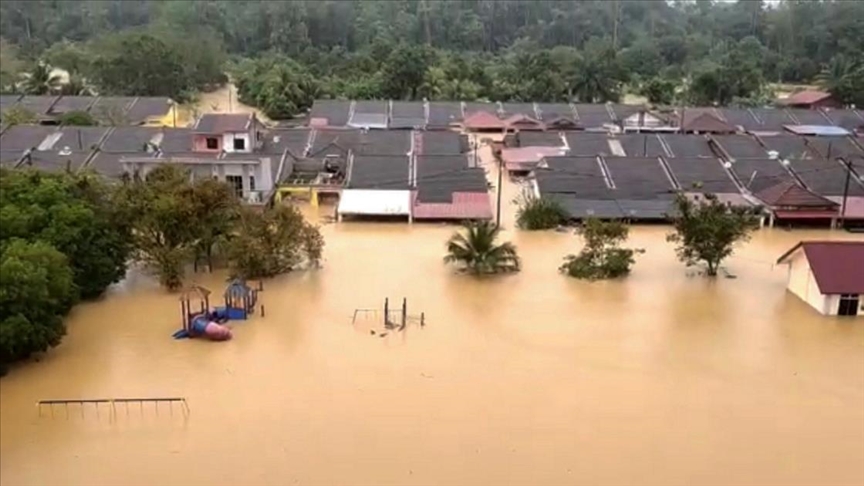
(828, 275)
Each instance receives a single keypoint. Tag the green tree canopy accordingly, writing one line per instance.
(476, 251)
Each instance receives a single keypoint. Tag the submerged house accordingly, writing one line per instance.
(828, 275)
(789, 202)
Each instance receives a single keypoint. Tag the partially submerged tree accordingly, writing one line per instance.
(706, 230)
(540, 213)
(476, 251)
(36, 290)
(273, 242)
(602, 257)
(78, 119)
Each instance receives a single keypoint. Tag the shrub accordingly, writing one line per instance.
(539, 213)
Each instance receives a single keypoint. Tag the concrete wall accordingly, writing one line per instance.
(803, 284)
(228, 142)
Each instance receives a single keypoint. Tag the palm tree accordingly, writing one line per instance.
(477, 252)
(40, 80)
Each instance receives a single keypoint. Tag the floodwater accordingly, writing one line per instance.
(663, 378)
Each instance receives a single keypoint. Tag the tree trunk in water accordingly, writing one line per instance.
(712, 269)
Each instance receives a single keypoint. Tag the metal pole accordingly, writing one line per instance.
(500, 181)
(845, 192)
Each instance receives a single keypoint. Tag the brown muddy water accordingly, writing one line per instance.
(660, 379)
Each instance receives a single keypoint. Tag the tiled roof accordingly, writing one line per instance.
(707, 123)
(838, 266)
(483, 120)
(218, 123)
(806, 97)
(464, 205)
(790, 194)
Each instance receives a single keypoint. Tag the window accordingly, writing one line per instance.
(848, 305)
(239, 144)
(212, 143)
(251, 183)
(237, 183)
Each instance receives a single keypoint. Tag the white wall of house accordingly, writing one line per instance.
(803, 284)
(228, 142)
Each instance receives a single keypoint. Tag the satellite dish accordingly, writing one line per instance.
(66, 151)
(727, 165)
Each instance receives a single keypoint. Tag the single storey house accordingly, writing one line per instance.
(828, 275)
(810, 99)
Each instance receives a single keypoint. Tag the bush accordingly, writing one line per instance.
(538, 213)
(78, 119)
(601, 258)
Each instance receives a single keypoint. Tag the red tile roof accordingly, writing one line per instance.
(482, 120)
(806, 97)
(838, 266)
(788, 194)
(523, 122)
(465, 205)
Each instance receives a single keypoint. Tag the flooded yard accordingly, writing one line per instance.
(661, 379)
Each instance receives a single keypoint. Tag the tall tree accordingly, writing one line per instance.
(41, 80)
(476, 251)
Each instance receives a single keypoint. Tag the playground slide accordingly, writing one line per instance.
(213, 331)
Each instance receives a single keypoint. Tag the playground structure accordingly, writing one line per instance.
(97, 404)
(392, 320)
(240, 301)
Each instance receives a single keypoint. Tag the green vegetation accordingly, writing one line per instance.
(538, 213)
(78, 119)
(18, 115)
(476, 252)
(602, 257)
(706, 230)
(287, 53)
(273, 242)
(62, 239)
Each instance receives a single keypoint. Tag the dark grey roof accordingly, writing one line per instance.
(129, 139)
(771, 119)
(540, 139)
(526, 109)
(438, 164)
(37, 104)
(833, 147)
(788, 146)
(8, 158)
(651, 209)
(8, 100)
(335, 111)
(638, 177)
(687, 145)
(379, 172)
(809, 117)
(580, 208)
(176, 140)
(585, 144)
(740, 117)
(641, 145)
(111, 110)
(707, 172)
(408, 109)
(370, 107)
(23, 137)
(439, 187)
(442, 143)
(80, 138)
(407, 123)
(219, 123)
(148, 107)
(550, 111)
(71, 103)
(592, 116)
(825, 177)
(368, 120)
(759, 174)
(848, 119)
(442, 113)
(295, 140)
(383, 142)
(741, 146)
(53, 161)
(108, 164)
(581, 176)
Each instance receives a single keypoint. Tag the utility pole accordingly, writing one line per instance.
(848, 164)
(500, 181)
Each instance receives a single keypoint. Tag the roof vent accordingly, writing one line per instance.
(275, 138)
(65, 151)
(773, 154)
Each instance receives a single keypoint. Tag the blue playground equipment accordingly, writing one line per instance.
(240, 301)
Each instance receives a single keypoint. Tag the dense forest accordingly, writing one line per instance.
(282, 55)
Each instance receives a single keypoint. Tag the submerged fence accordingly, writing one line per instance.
(112, 404)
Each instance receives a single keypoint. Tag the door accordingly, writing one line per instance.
(848, 305)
